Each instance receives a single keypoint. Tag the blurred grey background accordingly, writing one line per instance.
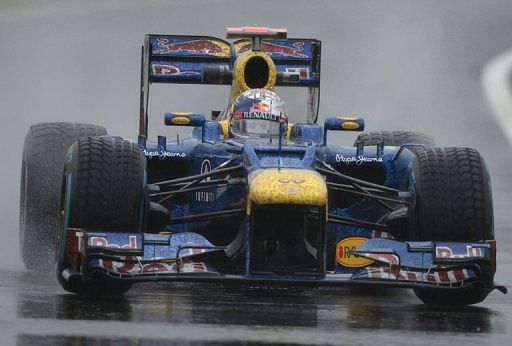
(405, 65)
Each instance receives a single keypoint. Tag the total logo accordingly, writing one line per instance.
(344, 254)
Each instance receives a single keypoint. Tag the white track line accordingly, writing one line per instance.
(496, 84)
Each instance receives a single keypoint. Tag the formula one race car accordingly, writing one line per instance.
(257, 196)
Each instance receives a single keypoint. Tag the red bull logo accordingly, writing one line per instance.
(169, 70)
(278, 49)
(164, 70)
(203, 47)
(260, 107)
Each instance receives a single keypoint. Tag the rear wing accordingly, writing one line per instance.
(183, 59)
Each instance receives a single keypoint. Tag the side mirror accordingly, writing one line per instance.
(184, 119)
(342, 123)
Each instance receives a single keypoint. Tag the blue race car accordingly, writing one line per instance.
(257, 196)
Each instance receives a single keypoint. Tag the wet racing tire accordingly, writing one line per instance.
(105, 179)
(44, 153)
(454, 203)
(455, 297)
(97, 286)
(453, 196)
(472, 294)
(397, 138)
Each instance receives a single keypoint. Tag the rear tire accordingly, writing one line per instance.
(44, 153)
(107, 177)
(397, 138)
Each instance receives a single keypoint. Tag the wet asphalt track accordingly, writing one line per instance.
(412, 65)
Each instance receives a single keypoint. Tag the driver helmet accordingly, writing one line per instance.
(258, 113)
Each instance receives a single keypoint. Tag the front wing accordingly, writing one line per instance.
(180, 257)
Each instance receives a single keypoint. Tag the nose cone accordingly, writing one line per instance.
(287, 186)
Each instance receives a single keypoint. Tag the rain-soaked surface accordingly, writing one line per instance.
(405, 65)
(34, 310)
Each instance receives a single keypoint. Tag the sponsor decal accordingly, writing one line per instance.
(103, 242)
(162, 154)
(205, 196)
(349, 125)
(258, 115)
(169, 70)
(206, 47)
(302, 72)
(293, 51)
(206, 167)
(169, 268)
(186, 267)
(344, 254)
(137, 267)
(436, 277)
(165, 70)
(180, 121)
(446, 252)
(260, 106)
(359, 160)
(119, 267)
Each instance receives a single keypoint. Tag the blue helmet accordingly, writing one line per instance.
(258, 113)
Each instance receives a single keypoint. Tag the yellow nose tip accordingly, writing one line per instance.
(287, 186)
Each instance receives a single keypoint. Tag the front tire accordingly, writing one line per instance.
(98, 285)
(454, 203)
(105, 178)
(432, 296)
(454, 199)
